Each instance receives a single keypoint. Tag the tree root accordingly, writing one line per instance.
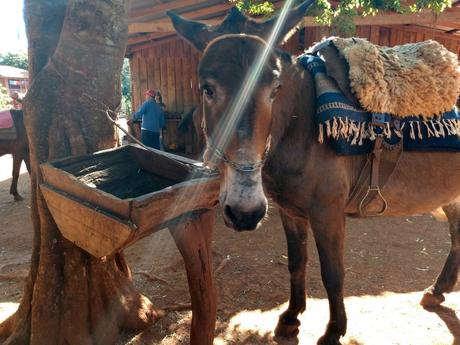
(152, 277)
(6, 277)
(7, 326)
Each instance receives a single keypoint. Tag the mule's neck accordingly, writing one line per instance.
(294, 109)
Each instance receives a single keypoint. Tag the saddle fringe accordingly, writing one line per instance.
(356, 132)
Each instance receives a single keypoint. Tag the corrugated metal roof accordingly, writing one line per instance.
(13, 72)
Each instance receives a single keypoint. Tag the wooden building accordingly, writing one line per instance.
(159, 59)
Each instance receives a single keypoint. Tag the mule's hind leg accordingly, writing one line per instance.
(448, 277)
(328, 227)
(296, 236)
(17, 160)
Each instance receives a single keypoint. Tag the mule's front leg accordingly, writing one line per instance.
(193, 238)
(17, 160)
(296, 235)
(328, 227)
(448, 277)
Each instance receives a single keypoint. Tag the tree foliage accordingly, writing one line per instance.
(18, 60)
(5, 99)
(254, 8)
(340, 17)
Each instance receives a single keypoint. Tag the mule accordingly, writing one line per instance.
(273, 151)
(19, 149)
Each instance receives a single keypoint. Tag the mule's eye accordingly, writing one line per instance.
(207, 91)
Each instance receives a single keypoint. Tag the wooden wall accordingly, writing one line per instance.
(171, 66)
(386, 36)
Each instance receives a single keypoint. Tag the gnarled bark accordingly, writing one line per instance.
(71, 297)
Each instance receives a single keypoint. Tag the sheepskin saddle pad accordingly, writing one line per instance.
(348, 127)
(411, 79)
(7, 129)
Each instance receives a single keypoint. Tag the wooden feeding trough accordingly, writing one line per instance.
(107, 200)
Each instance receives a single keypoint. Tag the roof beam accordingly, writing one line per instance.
(158, 11)
(424, 17)
(166, 25)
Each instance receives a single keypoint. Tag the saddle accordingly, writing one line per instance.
(348, 125)
(7, 127)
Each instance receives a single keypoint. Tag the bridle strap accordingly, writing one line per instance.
(244, 168)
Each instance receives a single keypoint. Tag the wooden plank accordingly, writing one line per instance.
(179, 84)
(70, 184)
(384, 36)
(143, 85)
(429, 33)
(158, 11)
(374, 34)
(164, 81)
(194, 79)
(423, 17)
(419, 36)
(158, 208)
(366, 31)
(159, 164)
(137, 99)
(151, 69)
(186, 83)
(166, 26)
(157, 74)
(91, 229)
(171, 102)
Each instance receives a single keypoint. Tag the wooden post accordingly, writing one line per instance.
(193, 239)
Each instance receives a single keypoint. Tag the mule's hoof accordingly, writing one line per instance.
(287, 328)
(430, 299)
(328, 340)
(17, 197)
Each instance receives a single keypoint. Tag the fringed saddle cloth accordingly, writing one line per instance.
(7, 128)
(349, 128)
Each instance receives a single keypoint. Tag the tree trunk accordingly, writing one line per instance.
(70, 297)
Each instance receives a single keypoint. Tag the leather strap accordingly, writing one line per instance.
(373, 192)
(374, 175)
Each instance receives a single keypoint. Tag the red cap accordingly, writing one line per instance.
(150, 92)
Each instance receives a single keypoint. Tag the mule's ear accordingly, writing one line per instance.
(293, 18)
(198, 34)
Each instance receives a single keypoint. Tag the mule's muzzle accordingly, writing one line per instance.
(243, 220)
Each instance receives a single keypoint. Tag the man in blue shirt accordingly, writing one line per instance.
(153, 120)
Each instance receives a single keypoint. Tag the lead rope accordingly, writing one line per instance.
(109, 111)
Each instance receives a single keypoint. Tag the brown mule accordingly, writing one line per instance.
(19, 149)
(272, 139)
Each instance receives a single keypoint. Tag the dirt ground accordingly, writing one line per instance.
(389, 261)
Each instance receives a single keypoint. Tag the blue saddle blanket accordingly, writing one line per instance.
(348, 129)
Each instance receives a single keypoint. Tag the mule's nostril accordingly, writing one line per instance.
(229, 213)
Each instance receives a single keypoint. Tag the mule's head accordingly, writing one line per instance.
(239, 77)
